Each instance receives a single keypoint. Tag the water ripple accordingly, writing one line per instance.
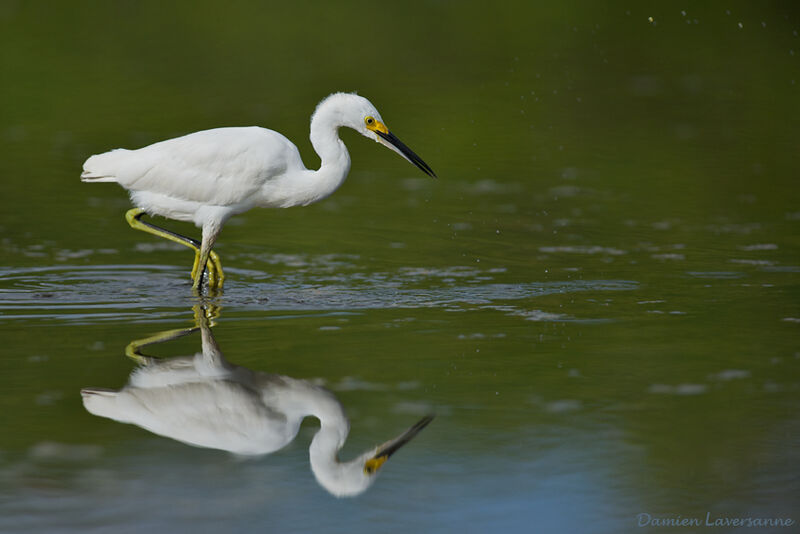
(146, 293)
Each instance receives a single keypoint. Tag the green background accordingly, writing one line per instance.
(598, 297)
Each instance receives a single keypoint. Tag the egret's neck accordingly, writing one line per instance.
(325, 140)
(331, 436)
(339, 478)
(333, 154)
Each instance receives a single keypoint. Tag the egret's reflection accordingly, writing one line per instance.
(204, 400)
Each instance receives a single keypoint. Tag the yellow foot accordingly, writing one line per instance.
(132, 217)
(214, 258)
(216, 276)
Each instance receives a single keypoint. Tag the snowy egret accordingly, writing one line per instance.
(205, 401)
(207, 177)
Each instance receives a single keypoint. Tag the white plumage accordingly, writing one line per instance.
(205, 401)
(206, 177)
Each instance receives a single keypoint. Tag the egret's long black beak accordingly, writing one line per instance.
(390, 447)
(406, 152)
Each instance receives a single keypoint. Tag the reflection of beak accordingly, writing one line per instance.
(390, 447)
(398, 146)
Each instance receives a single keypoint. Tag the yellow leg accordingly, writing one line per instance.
(133, 216)
(213, 267)
(214, 260)
(202, 259)
(209, 258)
(196, 262)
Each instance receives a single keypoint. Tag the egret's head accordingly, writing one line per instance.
(352, 478)
(358, 113)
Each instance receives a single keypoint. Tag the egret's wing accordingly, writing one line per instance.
(182, 370)
(223, 166)
(218, 414)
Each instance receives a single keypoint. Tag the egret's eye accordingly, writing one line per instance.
(373, 464)
(369, 120)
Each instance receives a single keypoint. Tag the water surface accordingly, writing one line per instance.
(598, 299)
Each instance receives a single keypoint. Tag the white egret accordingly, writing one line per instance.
(205, 401)
(207, 177)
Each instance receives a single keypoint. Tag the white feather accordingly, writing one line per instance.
(234, 168)
(206, 177)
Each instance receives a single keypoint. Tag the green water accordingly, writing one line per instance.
(598, 298)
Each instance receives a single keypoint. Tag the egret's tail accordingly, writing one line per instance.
(87, 176)
(99, 401)
(100, 167)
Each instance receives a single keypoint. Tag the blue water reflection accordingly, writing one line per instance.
(205, 401)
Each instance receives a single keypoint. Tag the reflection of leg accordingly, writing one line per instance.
(212, 356)
(203, 320)
(205, 315)
(134, 348)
